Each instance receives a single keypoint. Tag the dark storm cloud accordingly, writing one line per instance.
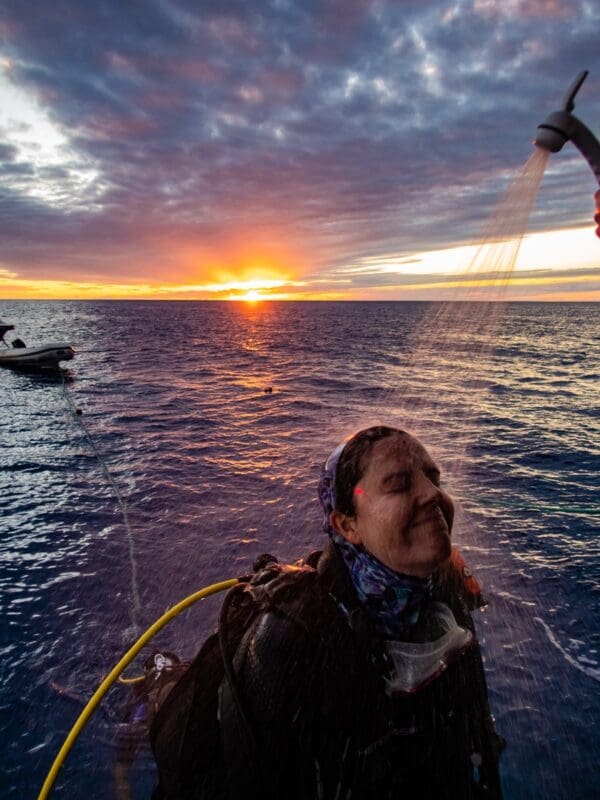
(363, 127)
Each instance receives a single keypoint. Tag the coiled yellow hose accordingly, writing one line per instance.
(127, 681)
(114, 674)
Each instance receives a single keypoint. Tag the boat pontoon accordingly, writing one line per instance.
(17, 354)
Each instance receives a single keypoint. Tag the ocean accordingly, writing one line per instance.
(214, 471)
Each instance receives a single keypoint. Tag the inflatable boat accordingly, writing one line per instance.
(46, 356)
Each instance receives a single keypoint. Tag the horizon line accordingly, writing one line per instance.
(263, 300)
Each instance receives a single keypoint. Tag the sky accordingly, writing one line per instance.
(292, 149)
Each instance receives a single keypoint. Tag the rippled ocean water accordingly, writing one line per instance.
(215, 471)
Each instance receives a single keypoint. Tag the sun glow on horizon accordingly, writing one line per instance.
(256, 289)
(252, 296)
(560, 264)
(13, 286)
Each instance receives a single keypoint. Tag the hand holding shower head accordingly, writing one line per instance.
(561, 126)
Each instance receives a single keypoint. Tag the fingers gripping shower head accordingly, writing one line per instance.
(562, 126)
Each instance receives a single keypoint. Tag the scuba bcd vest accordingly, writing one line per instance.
(184, 734)
(191, 734)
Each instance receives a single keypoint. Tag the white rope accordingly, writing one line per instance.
(136, 605)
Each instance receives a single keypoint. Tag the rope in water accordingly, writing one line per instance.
(135, 595)
(116, 672)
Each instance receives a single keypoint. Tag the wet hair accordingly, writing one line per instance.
(352, 464)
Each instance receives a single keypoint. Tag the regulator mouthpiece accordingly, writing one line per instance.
(562, 126)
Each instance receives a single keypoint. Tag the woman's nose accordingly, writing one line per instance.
(429, 493)
(427, 489)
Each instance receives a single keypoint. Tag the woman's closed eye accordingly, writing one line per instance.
(398, 482)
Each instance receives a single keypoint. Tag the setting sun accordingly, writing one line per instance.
(253, 290)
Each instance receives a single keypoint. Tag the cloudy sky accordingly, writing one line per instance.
(345, 149)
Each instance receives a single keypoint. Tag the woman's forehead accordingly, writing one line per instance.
(402, 449)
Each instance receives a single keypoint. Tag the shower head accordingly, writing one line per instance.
(561, 126)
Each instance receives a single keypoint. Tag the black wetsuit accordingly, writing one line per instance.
(319, 722)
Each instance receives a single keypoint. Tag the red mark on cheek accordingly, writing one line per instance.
(358, 490)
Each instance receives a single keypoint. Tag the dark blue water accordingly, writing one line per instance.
(215, 471)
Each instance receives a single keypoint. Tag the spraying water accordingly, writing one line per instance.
(495, 259)
(463, 333)
(453, 336)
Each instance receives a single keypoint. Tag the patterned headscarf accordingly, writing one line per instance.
(392, 600)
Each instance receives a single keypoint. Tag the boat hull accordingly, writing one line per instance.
(47, 356)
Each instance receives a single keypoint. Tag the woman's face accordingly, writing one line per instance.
(402, 516)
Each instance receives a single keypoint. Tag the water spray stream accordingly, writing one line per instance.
(455, 337)
(454, 341)
(493, 264)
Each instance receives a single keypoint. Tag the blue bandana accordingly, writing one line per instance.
(392, 600)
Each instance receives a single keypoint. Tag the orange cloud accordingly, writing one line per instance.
(247, 256)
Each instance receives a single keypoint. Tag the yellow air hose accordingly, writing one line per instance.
(116, 672)
(127, 681)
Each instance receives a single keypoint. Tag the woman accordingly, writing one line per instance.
(361, 676)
